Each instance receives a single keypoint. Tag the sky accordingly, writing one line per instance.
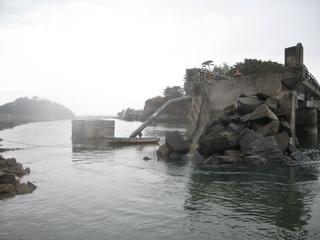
(101, 56)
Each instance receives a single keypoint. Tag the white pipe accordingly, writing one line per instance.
(157, 113)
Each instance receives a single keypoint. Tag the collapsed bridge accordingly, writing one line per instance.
(294, 87)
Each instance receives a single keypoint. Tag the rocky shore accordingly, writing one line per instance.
(253, 132)
(10, 174)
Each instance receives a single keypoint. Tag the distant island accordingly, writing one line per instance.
(25, 110)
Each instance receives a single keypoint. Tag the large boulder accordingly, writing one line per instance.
(7, 189)
(176, 143)
(283, 140)
(7, 176)
(24, 188)
(272, 103)
(269, 129)
(12, 165)
(246, 137)
(285, 126)
(252, 143)
(247, 104)
(255, 160)
(163, 151)
(234, 154)
(10, 172)
(217, 143)
(261, 112)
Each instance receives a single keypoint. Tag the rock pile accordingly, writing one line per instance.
(10, 173)
(253, 131)
(174, 146)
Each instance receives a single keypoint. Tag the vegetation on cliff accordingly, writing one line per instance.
(247, 67)
(254, 66)
(174, 113)
(24, 110)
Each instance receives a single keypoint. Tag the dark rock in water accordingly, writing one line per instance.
(247, 104)
(292, 149)
(217, 143)
(255, 160)
(212, 131)
(176, 143)
(7, 176)
(299, 156)
(283, 140)
(7, 189)
(285, 126)
(146, 158)
(24, 188)
(212, 160)
(235, 155)
(266, 147)
(246, 137)
(272, 103)
(175, 156)
(10, 171)
(252, 143)
(163, 151)
(223, 159)
(261, 112)
(269, 129)
(14, 166)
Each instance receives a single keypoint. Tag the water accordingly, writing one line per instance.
(115, 194)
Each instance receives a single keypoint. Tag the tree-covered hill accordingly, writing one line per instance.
(24, 110)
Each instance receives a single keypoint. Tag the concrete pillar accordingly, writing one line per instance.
(294, 106)
(92, 129)
(288, 102)
(307, 121)
(294, 56)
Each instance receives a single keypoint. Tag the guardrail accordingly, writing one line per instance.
(309, 77)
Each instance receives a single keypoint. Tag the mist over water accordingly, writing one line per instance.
(114, 194)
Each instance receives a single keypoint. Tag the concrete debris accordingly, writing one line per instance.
(247, 104)
(254, 133)
(176, 143)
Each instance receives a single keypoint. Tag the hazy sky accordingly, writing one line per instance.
(100, 56)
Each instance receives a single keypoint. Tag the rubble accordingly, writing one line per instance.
(174, 146)
(253, 131)
(176, 143)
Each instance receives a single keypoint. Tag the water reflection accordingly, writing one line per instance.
(308, 141)
(275, 203)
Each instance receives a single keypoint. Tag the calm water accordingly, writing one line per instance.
(114, 194)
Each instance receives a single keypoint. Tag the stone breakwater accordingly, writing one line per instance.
(253, 131)
(10, 174)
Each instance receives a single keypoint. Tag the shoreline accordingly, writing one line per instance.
(11, 173)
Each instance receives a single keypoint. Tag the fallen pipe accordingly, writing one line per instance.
(157, 113)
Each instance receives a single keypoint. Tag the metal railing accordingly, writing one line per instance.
(310, 78)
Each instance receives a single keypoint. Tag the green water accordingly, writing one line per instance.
(115, 194)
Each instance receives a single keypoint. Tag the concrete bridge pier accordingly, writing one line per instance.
(307, 121)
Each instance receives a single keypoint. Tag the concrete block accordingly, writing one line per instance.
(92, 129)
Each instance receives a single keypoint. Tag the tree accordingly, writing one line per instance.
(173, 92)
(254, 66)
(221, 69)
(207, 64)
